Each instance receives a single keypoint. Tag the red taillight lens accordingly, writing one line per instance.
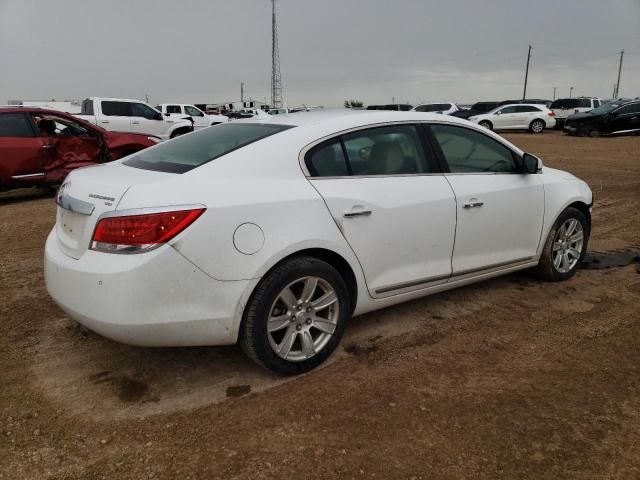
(135, 233)
(552, 113)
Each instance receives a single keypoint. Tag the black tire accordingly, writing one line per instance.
(546, 268)
(537, 126)
(486, 124)
(254, 338)
(594, 132)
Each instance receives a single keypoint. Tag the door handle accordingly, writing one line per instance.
(105, 121)
(357, 213)
(473, 203)
(135, 122)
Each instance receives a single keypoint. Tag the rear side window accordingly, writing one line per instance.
(190, 151)
(173, 109)
(469, 151)
(116, 109)
(15, 125)
(327, 160)
(526, 109)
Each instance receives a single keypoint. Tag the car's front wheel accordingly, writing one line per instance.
(296, 316)
(536, 126)
(486, 124)
(565, 246)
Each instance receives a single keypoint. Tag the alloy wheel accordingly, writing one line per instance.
(303, 319)
(537, 126)
(567, 245)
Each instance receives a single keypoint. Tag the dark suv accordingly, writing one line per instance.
(476, 109)
(616, 117)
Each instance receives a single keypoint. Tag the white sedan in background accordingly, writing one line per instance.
(272, 234)
(521, 116)
(444, 108)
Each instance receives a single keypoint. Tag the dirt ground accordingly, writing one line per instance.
(512, 378)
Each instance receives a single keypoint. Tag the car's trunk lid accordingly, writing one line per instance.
(86, 194)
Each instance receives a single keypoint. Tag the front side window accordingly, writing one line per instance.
(430, 107)
(511, 109)
(194, 112)
(469, 151)
(15, 125)
(631, 108)
(142, 110)
(187, 152)
(116, 109)
(51, 125)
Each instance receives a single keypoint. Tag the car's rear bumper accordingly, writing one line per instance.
(157, 298)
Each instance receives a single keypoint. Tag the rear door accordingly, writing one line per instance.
(395, 210)
(115, 116)
(625, 119)
(525, 114)
(499, 210)
(21, 150)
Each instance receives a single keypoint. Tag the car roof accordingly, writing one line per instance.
(523, 105)
(11, 109)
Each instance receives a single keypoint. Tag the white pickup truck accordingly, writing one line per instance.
(124, 115)
(177, 111)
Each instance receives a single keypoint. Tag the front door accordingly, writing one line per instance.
(505, 117)
(200, 120)
(397, 216)
(21, 151)
(145, 119)
(499, 210)
(626, 118)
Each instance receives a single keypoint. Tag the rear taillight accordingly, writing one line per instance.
(552, 113)
(140, 233)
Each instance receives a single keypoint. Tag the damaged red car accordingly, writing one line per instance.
(40, 147)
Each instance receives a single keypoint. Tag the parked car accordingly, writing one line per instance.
(534, 101)
(534, 118)
(444, 108)
(39, 147)
(176, 112)
(563, 107)
(477, 108)
(396, 107)
(121, 115)
(274, 233)
(617, 117)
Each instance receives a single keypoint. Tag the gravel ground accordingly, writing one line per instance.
(511, 378)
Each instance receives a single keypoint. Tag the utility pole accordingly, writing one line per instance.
(570, 91)
(554, 92)
(526, 74)
(276, 79)
(619, 72)
(242, 91)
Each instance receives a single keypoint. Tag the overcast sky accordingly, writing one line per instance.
(330, 50)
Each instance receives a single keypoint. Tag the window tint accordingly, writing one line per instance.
(511, 109)
(630, 108)
(596, 103)
(87, 107)
(15, 125)
(432, 107)
(173, 109)
(187, 152)
(142, 110)
(194, 112)
(469, 151)
(116, 109)
(393, 150)
(525, 109)
(327, 160)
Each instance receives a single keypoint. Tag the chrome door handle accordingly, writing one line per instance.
(135, 122)
(357, 213)
(105, 121)
(472, 204)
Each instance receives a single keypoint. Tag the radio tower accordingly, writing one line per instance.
(276, 79)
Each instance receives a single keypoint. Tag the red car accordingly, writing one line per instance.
(40, 147)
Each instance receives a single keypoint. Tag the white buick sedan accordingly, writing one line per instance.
(272, 234)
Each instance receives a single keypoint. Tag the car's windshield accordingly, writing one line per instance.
(606, 108)
(190, 151)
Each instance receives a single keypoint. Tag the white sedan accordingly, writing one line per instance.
(272, 234)
(532, 117)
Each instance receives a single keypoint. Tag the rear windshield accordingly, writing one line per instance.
(190, 151)
(571, 103)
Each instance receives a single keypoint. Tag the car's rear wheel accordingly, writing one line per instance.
(296, 316)
(565, 246)
(486, 124)
(536, 126)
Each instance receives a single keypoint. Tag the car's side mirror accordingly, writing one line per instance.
(531, 163)
(167, 114)
(157, 116)
(497, 113)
